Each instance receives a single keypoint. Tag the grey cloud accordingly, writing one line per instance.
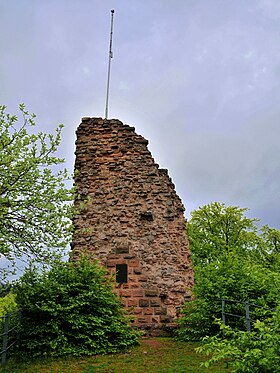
(199, 79)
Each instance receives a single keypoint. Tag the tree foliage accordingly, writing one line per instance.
(216, 230)
(8, 304)
(232, 260)
(34, 202)
(71, 310)
(256, 351)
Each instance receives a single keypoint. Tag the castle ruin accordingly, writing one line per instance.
(132, 221)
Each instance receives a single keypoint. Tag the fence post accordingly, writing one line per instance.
(223, 311)
(248, 323)
(5, 340)
(18, 327)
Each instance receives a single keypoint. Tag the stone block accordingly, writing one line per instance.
(151, 292)
(137, 311)
(134, 263)
(161, 311)
(126, 293)
(137, 293)
(135, 286)
(156, 319)
(148, 311)
(165, 319)
(113, 262)
(138, 271)
(142, 278)
(155, 302)
(143, 320)
(132, 303)
(144, 302)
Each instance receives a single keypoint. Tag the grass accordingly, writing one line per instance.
(160, 355)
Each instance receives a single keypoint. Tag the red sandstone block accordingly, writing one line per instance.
(137, 293)
(137, 271)
(148, 311)
(126, 293)
(161, 311)
(113, 262)
(134, 286)
(169, 302)
(129, 256)
(143, 320)
(143, 302)
(156, 319)
(151, 292)
(132, 278)
(155, 302)
(113, 256)
(142, 278)
(165, 319)
(137, 311)
(132, 303)
(134, 263)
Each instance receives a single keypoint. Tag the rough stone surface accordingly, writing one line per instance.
(130, 214)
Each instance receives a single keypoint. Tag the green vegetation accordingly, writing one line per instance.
(231, 261)
(234, 260)
(256, 351)
(161, 355)
(34, 202)
(71, 310)
(8, 304)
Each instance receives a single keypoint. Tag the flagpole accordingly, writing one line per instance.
(109, 65)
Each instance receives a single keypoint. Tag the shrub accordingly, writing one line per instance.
(256, 351)
(72, 310)
(232, 278)
(8, 304)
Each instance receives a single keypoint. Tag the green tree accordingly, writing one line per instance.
(72, 310)
(216, 230)
(233, 278)
(34, 201)
(231, 260)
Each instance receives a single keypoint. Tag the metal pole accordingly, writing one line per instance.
(223, 311)
(248, 323)
(5, 340)
(109, 65)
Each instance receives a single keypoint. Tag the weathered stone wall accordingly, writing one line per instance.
(133, 216)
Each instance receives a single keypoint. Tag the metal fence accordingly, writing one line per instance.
(247, 311)
(10, 336)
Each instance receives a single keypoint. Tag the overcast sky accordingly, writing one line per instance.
(200, 79)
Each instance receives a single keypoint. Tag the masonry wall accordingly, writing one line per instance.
(132, 220)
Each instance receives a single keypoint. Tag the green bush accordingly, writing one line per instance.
(257, 351)
(72, 310)
(234, 260)
(232, 278)
(8, 304)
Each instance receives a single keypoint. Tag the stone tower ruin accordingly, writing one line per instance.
(132, 221)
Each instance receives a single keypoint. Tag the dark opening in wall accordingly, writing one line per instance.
(121, 273)
(147, 215)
